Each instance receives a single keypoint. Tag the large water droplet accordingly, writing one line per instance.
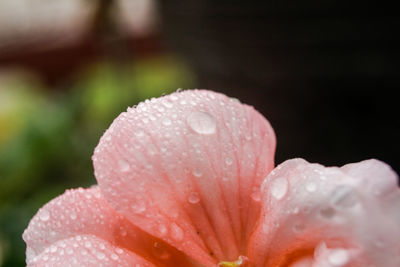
(123, 165)
(279, 187)
(338, 257)
(343, 197)
(194, 198)
(44, 215)
(202, 123)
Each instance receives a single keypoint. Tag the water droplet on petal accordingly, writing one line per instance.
(298, 227)
(279, 187)
(30, 253)
(114, 256)
(256, 194)
(160, 251)
(88, 244)
(139, 133)
(163, 230)
(194, 198)
(338, 257)
(53, 248)
(44, 215)
(202, 123)
(344, 197)
(228, 161)
(123, 165)
(139, 206)
(311, 187)
(176, 232)
(197, 173)
(167, 104)
(166, 121)
(100, 255)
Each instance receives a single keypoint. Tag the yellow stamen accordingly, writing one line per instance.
(239, 262)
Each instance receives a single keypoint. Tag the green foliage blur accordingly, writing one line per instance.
(47, 135)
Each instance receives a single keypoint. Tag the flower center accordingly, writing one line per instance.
(241, 261)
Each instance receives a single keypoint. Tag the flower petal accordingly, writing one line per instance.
(351, 209)
(183, 167)
(85, 212)
(87, 251)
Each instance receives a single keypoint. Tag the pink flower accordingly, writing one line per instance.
(187, 180)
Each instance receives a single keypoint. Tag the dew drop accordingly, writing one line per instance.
(176, 232)
(197, 173)
(202, 123)
(256, 194)
(160, 252)
(139, 206)
(44, 215)
(69, 251)
(298, 227)
(88, 244)
(30, 253)
(166, 121)
(311, 187)
(119, 250)
(194, 198)
(343, 197)
(100, 255)
(53, 248)
(139, 133)
(279, 187)
(228, 161)
(123, 165)
(73, 215)
(167, 104)
(338, 257)
(163, 230)
(114, 256)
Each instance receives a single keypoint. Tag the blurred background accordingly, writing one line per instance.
(324, 73)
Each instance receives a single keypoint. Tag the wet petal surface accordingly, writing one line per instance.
(85, 212)
(187, 168)
(349, 210)
(87, 251)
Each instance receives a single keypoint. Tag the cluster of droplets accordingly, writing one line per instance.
(71, 251)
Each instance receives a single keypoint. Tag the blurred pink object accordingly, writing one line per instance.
(187, 180)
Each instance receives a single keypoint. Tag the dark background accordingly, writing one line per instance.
(324, 73)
